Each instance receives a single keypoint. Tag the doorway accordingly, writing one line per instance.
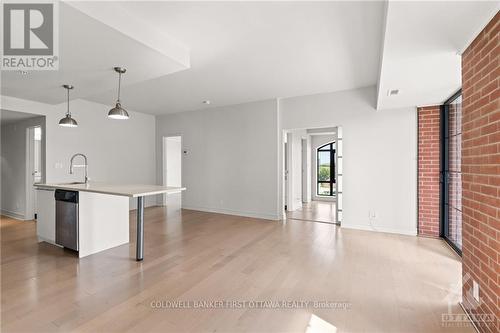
(33, 168)
(172, 167)
(23, 162)
(313, 175)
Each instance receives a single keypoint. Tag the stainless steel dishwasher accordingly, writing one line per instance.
(67, 219)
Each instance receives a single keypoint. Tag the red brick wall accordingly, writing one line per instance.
(428, 170)
(481, 174)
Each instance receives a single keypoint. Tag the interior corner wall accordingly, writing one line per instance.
(231, 160)
(380, 155)
(481, 177)
(118, 151)
(428, 170)
(13, 165)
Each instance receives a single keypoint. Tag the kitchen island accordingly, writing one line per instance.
(102, 214)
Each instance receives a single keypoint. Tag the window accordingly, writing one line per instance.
(451, 172)
(326, 170)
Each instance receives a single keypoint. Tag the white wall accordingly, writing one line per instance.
(318, 141)
(117, 151)
(231, 165)
(380, 155)
(13, 165)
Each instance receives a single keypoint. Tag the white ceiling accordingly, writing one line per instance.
(422, 46)
(89, 50)
(240, 51)
(247, 51)
(179, 54)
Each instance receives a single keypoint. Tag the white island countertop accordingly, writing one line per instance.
(125, 190)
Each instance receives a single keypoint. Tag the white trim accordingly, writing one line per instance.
(28, 201)
(13, 215)
(264, 216)
(409, 232)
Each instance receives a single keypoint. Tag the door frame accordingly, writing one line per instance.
(285, 160)
(29, 213)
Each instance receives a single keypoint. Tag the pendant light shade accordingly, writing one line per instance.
(68, 121)
(118, 112)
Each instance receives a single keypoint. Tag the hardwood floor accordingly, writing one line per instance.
(392, 283)
(316, 211)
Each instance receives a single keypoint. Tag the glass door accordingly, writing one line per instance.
(451, 172)
(326, 170)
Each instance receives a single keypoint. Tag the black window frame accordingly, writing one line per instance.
(332, 181)
(444, 179)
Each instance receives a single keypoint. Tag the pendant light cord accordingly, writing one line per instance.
(67, 112)
(119, 86)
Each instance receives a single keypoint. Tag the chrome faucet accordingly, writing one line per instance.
(71, 166)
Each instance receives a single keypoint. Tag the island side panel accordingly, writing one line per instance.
(103, 222)
(46, 216)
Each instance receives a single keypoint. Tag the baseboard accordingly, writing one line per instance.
(132, 207)
(148, 206)
(13, 215)
(380, 229)
(234, 212)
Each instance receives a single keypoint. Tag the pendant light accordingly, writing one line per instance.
(118, 112)
(67, 121)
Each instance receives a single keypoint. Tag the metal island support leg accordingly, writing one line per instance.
(140, 229)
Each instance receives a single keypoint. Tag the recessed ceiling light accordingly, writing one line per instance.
(206, 102)
(392, 92)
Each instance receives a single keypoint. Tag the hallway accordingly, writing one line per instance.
(315, 211)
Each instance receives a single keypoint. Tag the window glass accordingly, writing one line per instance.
(324, 166)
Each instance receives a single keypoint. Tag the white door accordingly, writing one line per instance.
(172, 163)
(34, 171)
